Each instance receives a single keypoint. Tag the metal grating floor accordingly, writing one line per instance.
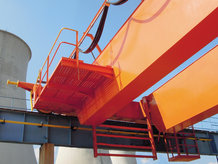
(71, 85)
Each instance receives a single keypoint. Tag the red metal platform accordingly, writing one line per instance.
(182, 146)
(70, 85)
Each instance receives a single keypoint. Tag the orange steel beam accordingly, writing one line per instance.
(158, 37)
(188, 98)
(131, 111)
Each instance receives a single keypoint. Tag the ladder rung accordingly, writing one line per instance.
(120, 136)
(126, 155)
(123, 127)
(124, 146)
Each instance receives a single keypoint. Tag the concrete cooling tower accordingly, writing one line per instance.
(14, 57)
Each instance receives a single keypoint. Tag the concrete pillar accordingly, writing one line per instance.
(14, 57)
(46, 155)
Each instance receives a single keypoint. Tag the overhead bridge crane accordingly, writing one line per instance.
(157, 38)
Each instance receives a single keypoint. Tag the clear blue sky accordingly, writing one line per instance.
(38, 23)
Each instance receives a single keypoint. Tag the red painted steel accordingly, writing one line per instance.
(130, 112)
(125, 133)
(122, 127)
(95, 148)
(124, 146)
(120, 136)
(178, 148)
(96, 92)
(70, 86)
(126, 155)
(145, 111)
(128, 66)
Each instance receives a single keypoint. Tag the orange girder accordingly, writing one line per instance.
(158, 37)
(131, 112)
(189, 97)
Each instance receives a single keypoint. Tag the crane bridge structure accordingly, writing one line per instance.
(157, 38)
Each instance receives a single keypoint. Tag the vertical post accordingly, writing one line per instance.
(47, 69)
(40, 76)
(167, 147)
(144, 108)
(31, 100)
(171, 148)
(177, 143)
(94, 142)
(77, 52)
(46, 155)
(195, 141)
(185, 144)
(77, 46)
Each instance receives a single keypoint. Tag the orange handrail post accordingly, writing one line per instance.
(77, 47)
(47, 68)
(40, 76)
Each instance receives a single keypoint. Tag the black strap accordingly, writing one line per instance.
(101, 27)
(98, 33)
(119, 2)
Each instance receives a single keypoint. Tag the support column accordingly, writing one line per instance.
(46, 155)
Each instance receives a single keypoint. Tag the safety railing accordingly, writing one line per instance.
(101, 140)
(43, 75)
(182, 146)
(43, 78)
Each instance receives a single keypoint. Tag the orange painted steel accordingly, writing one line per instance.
(155, 40)
(130, 112)
(158, 37)
(20, 84)
(188, 98)
(40, 78)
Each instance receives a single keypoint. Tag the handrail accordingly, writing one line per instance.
(56, 53)
(64, 28)
(90, 26)
(40, 77)
(78, 43)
